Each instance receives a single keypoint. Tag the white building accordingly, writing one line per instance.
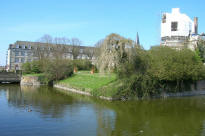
(178, 29)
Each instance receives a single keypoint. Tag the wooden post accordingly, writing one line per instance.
(75, 70)
(92, 70)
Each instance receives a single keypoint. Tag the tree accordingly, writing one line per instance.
(75, 47)
(43, 47)
(61, 47)
(112, 51)
(26, 68)
(201, 49)
(58, 69)
(89, 51)
(173, 65)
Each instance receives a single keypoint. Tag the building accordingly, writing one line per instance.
(178, 30)
(24, 51)
(2, 68)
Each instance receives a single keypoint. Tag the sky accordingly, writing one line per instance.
(88, 20)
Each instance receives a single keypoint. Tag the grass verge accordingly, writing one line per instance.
(96, 83)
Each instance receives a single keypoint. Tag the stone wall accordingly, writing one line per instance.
(10, 77)
(200, 86)
(196, 90)
(30, 80)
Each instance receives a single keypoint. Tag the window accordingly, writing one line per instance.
(174, 26)
(29, 54)
(24, 46)
(17, 53)
(81, 50)
(22, 60)
(164, 18)
(17, 46)
(29, 60)
(16, 60)
(22, 53)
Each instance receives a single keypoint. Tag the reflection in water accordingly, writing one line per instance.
(39, 98)
(82, 115)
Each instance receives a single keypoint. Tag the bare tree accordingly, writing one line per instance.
(43, 47)
(46, 39)
(75, 47)
(89, 51)
(97, 49)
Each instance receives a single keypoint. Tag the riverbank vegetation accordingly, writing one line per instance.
(143, 73)
(85, 81)
(126, 69)
(54, 69)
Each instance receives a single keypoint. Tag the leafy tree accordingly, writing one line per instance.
(159, 69)
(201, 49)
(26, 68)
(173, 65)
(36, 67)
(58, 69)
(82, 64)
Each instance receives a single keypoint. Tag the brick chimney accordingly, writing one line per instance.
(196, 25)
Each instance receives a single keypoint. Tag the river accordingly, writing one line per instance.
(45, 111)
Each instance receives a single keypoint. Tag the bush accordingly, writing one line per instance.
(26, 68)
(36, 67)
(55, 69)
(58, 69)
(82, 64)
(159, 69)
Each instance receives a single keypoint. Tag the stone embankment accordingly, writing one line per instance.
(31, 80)
(183, 94)
(59, 86)
(196, 90)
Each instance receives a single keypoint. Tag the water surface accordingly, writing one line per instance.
(44, 111)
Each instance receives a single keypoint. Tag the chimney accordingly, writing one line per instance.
(196, 25)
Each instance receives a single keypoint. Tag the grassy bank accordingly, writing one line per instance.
(91, 83)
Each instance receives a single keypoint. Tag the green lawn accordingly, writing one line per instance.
(85, 81)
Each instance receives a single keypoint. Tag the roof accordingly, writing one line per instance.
(29, 43)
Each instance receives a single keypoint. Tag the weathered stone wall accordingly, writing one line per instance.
(10, 77)
(196, 90)
(30, 80)
(200, 86)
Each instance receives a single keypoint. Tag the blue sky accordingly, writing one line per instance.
(88, 20)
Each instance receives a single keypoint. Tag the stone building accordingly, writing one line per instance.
(24, 51)
(178, 30)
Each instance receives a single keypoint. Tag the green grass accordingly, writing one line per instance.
(85, 81)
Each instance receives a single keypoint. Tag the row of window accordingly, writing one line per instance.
(22, 53)
(23, 60)
(23, 46)
(42, 48)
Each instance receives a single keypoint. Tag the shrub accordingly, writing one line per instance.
(82, 64)
(159, 69)
(55, 69)
(58, 69)
(26, 68)
(36, 67)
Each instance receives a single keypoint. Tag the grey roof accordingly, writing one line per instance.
(28, 43)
